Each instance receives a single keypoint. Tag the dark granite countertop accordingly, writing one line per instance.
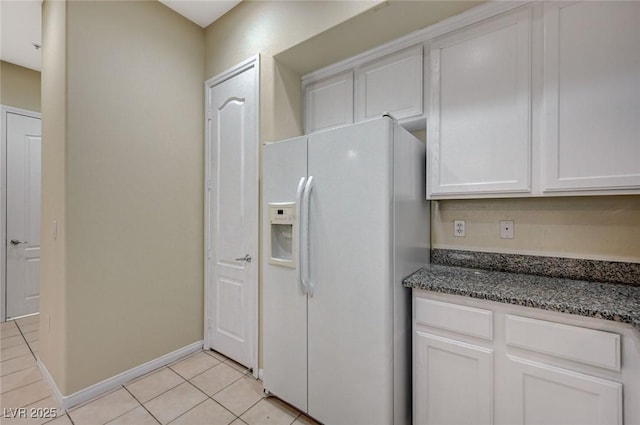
(610, 301)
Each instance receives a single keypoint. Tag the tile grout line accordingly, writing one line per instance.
(96, 398)
(130, 410)
(152, 373)
(250, 407)
(15, 357)
(25, 341)
(197, 388)
(21, 386)
(184, 377)
(210, 397)
(35, 365)
(142, 405)
(246, 373)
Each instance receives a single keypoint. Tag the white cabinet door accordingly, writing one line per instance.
(479, 124)
(546, 395)
(329, 102)
(591, 95)
(453, 381)
(391, 84)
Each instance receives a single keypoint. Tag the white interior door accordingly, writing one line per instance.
(23, 215)
(232, 214)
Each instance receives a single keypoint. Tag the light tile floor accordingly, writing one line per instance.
(203, 388)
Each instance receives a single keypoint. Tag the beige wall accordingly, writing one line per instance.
(19, 87)
(599, 228)
(134, 184)
(270, 27)
(385, 22)
(53, 282)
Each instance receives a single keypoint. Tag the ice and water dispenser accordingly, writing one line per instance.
(282, 243)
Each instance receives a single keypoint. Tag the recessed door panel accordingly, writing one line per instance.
(229, 313)
(230, 183)
(592, 95)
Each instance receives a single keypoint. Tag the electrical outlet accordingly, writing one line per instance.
(506, 229)
(459, 228)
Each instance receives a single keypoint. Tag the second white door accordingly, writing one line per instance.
(232, 214)
(23, 214)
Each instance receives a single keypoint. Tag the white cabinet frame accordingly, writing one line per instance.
(518, 149)
(605, 110)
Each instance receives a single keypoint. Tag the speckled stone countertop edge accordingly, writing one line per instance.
(608, 301)
(558, 267)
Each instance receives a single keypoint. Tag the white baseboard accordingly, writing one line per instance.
(102, 387)
(260, 374)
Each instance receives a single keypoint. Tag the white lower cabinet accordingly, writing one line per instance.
(546, 395)
(481, 362)
(455, 381)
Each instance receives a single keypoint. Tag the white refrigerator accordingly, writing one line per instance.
(345, 219)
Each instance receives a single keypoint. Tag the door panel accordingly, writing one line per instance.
(233, 217)
(546, 395)
(329, 103)
(592, 95)
(23, 214)
(479, 121)
(444, 367)
(229, 312)
(229, 182)
(350, 311)
(392, 84)
(283, 301)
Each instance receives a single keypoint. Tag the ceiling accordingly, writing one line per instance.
(20, 25)
(202, 12)
(20, 28)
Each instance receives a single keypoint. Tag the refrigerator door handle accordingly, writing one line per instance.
(306, 200)
(299, 224)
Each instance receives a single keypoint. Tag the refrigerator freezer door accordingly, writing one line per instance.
(350, 320)
(284, 302)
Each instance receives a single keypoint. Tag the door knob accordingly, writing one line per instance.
(246, 258)
(17, 242)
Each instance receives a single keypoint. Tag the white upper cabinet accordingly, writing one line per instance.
(387, 79)
(479, 122)
(521, 99)
(391, 84)
(591, 119)
(329, 102)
